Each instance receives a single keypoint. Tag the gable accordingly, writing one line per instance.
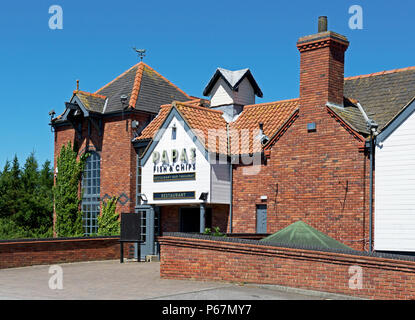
(221, 94)
(232, 80)
(163, 135)
(402, 122)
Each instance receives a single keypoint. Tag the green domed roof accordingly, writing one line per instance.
(300, 233)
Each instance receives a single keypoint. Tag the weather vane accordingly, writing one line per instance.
(141, 52)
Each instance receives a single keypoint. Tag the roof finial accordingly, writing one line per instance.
(77, 85)
(140, 52)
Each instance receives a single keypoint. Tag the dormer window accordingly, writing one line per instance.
(173, 132)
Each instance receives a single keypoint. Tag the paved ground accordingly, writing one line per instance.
(131, 280)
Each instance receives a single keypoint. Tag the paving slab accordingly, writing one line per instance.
(101, 280)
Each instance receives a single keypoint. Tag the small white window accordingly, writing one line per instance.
(173, 132)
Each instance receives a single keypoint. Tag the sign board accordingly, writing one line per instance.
(130, 227)
(174, 195)
(174, 177)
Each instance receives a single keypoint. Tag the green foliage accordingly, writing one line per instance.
(108, 222)
(216, 232)
(66, 193)
(26, 209)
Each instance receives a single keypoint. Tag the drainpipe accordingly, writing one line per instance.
(373, 126)
(202, 218)
(231, 195)
(231, 180)
(373, 133)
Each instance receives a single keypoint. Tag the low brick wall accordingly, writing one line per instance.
(21, 253)
(249, 261)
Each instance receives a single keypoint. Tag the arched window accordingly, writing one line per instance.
(91, 182)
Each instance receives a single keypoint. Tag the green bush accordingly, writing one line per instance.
(108, 220)
(216, 232)
(66, 193)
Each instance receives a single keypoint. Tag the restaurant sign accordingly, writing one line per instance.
(174, 177)
(173, 195)
(174, 161)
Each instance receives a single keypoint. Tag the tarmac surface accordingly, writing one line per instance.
(102, 280)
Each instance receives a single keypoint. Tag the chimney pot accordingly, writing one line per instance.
(322, 24)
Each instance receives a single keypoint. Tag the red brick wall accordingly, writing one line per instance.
(118, 157)
(319, 177)
(321, 71)
(310, 176)
(187, 258)
(34, 252)
(170, 218)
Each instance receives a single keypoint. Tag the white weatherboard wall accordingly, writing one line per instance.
(222, 94)
(206, 180)
(221, 184)
(394, 218)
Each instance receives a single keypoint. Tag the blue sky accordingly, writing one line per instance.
(185, 41)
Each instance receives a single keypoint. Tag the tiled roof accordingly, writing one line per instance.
(91, 101)
(382, 95)
(154, 125)
(145, 88)
(122, 85)
(201, 119)
(273, 115)
(233, 79)
(351, 114)
(207, 123)
(155, 90)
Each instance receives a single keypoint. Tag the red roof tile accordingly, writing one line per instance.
(212, 129)
(273, 115)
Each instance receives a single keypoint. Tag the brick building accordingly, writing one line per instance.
(261, 167)
(103, 124)
(228, 162)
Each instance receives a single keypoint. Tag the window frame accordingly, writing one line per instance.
(91, 191)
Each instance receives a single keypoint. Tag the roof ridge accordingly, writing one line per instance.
(121, 75)
(198, 107)
(90, 94)
(270, 103)
(137, 85)
(380, 73)
(171, 83)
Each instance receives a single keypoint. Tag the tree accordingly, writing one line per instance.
(10, 189)
(108, 221)
(26, 209)
(66, 192)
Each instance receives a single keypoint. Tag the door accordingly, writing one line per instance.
(261, 218)
(149, 229)
(190, 219)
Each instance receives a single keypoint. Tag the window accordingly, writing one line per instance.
(173, 132)
(140, 152)
(91, 193)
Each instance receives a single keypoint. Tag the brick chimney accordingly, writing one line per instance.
(321, 68)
